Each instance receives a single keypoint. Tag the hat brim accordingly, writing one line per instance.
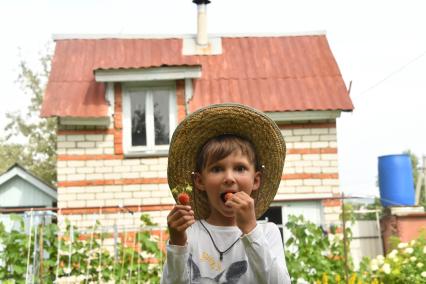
(202, 125)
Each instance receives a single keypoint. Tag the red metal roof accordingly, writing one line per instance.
(282, 73)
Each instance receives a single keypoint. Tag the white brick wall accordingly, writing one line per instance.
(124, 220)
(89, 144)
(324, 165)
(112, 169)
(114, 195)
(156, 194)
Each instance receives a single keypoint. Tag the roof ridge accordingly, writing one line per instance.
(182, 36)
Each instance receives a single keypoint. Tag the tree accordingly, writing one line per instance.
(38, 151)
(9, 155)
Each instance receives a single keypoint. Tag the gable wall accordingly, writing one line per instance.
(19, 193)
(94, 177)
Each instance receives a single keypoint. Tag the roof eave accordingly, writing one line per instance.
(287, 116)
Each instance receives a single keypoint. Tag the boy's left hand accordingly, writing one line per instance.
(245, 215)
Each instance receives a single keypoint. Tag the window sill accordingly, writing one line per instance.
(146, 154)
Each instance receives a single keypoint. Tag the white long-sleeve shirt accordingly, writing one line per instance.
(257, 257)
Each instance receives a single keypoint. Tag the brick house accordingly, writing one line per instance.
(119, 98)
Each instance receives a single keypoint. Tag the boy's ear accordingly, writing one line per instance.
(198, 182)
(257, 180)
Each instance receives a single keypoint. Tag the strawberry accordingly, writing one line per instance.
(228, 196)
(183, 198)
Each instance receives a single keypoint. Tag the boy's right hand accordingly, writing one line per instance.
(178, 220)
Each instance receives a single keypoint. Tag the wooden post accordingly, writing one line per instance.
(421, 180)
(345, 249)
(41, 254)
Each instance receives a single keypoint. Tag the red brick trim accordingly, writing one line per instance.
(308, 125)
(121, 157)
(113, 209)
(180, 100)
(310, 176)
(332, 202)
(118, 119)
(312, 151)
(101, 182)
(89, 157)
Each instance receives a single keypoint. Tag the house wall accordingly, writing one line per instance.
(311, 166)
(94, 177)
(19, 193)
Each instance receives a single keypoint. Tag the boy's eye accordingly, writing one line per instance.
(241, 168)
(216, 169)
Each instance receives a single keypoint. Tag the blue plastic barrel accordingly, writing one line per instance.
(396, 180)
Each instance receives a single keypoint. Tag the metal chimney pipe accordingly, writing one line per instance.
(202, 37)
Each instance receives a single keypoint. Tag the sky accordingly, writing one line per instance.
(379, 46)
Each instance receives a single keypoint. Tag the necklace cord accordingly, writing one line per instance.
(221, 253)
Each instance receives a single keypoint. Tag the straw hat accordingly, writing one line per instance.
(202, 125)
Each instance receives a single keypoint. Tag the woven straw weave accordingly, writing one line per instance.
(204, 124)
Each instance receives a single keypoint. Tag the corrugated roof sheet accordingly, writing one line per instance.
(286, 73)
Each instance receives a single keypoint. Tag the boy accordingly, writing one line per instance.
(233, 157)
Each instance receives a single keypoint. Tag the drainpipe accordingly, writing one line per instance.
(202, 38)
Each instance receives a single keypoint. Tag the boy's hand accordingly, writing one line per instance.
(245, 215)
(178, 220)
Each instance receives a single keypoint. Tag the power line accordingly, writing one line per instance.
(394, 72)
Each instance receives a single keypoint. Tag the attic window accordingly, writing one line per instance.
(149, 119)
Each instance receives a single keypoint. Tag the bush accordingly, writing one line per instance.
(314, 255)
(406, 263)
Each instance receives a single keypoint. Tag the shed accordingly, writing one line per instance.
(19, 189)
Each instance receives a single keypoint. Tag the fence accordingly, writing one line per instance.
(119, 253)
(366, 241)
(40, 252)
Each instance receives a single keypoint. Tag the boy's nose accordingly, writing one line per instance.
(229, 177)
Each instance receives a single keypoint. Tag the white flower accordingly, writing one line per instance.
(402, 245)
(413, 242)
(413, 259)
(423, 274)
(393, 253)
(386, 268)
(419, 265)
(424, 250)
(374, 267)
(409, 250)
(380, 259)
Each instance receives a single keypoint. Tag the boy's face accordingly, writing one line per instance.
(234, 173)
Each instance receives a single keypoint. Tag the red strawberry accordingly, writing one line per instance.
(228, 196)
(183, 198)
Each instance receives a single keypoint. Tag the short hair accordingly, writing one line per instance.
(219, 147)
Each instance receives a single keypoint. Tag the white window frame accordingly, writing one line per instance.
(150, 149)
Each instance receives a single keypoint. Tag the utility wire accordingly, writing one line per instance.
(393, 73)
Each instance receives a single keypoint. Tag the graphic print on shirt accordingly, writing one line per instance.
(231, 275)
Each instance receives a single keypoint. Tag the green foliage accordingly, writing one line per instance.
(415, 166)
(38, 151)
(84, 258)
(311, 253)
(17, 246)
(406, 263)
(9, 155)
